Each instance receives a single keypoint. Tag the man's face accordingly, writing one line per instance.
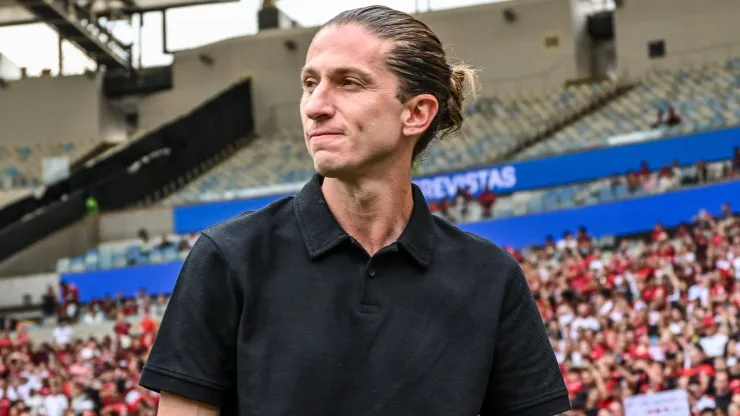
(352, 117)
(721, 382)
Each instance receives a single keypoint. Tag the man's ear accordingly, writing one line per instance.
(419, 113)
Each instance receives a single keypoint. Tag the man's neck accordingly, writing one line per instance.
(373, 211)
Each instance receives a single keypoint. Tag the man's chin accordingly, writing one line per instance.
(330, 168)
(331, 171)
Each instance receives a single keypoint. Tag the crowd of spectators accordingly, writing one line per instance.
(66, 306)
(147, 246)
(647, 315)
(76, 374)
(652, 315)
(180, 243)
(651, 181)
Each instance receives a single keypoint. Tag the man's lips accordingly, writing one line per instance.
(324, 133)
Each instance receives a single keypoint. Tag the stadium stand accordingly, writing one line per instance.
(145, 166)
(494, 128)
(130, 252)
(280, 158)
(498, 126)
(704, 98)
(21, 165)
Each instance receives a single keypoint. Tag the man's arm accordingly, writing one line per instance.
(194, 354)
(171, 405)
(525, 378)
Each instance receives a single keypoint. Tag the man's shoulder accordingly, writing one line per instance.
(251, 226)
(454, 238)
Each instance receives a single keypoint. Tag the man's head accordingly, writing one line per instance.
(377, 89)
(722, 382)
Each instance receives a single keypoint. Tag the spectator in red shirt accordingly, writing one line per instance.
(487, 198)
(5, 340)
(659, 233)
(148, 324)
(22, 337)
(122, 329)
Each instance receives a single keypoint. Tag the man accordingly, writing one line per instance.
(351, 298)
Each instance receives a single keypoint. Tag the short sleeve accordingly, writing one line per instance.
(194, 354)
(525, 378)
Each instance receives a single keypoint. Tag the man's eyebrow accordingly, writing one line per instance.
(307, 70)
(342, 70)
(351, 70)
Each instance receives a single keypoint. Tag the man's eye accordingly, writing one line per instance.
(349, 82)
(309, 83)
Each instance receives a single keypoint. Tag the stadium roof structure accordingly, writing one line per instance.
(81, 23)
(13, 12)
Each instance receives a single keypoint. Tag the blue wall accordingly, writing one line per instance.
(622, 217)
(155, 278)
(196, 217)
(540, 173)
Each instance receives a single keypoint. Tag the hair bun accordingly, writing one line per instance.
(462, 77)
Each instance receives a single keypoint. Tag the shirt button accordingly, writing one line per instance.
(371, 272)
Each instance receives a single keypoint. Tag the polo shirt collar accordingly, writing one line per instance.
(321, 231)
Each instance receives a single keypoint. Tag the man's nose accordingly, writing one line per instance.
(319, 103)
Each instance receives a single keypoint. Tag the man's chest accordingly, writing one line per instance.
(329, 335)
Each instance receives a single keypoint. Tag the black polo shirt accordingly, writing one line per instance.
(280, 312)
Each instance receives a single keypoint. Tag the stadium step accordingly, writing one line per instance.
(551, 130)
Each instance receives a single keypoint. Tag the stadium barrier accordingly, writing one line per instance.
(532, 174)
(616, 218)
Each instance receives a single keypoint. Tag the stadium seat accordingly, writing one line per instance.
(21, 165)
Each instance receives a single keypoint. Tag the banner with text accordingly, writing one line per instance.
(664, 403)
(582, 166)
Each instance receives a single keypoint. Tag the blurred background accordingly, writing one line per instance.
(603, 153)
